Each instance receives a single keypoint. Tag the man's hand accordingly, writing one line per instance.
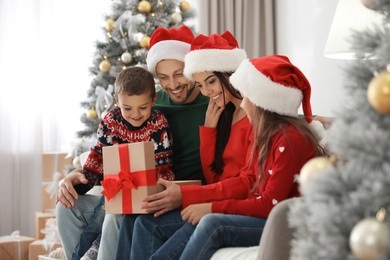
(195, 212)
(66, 193)
(164, 201)
(212, 114)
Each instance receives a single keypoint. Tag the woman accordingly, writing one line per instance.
(273, 90)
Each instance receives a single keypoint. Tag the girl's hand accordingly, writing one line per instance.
(194, 213)
(212, 114)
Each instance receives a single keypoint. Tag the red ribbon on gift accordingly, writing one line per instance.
(126, 179)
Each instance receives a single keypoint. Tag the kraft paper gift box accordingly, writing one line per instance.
(129, 176)
(37, 248)
(53, 170)
(14, 247)
(48, 196)
(54, 165)
(40, 223)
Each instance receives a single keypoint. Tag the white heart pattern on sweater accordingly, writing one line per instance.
(270, 172)
(274, 201)
(281, 149)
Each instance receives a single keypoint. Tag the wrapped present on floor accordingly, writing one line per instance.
(14, 246)
(37, 248)
(129, 176)
(40, 223)
(50, 241)
(53, 170)
(54, 165)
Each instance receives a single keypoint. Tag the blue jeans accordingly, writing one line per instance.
(71, 222)
(174, 246)
(92, 232)
(123, 249)
(215, 231)
(150, 233)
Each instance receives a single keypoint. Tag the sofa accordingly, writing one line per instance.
(275, 243)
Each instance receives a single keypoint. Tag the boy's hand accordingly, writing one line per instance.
(164, 201)
(66, 193)
(195, 212)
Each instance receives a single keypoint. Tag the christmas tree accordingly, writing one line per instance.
(127, 31)
(342, 212)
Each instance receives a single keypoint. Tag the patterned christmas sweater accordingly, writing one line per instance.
(114, 129)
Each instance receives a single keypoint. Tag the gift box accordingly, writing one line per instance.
(38, 248)
(129, 176)
(54, 165)
(14, 247)
(40, 223)
(48, 196)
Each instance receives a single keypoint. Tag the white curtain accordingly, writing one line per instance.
(250, 21)
(46, 47)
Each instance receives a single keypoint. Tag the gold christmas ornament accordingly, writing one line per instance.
(378, 93)
(110, 24)
(370, 4)
(370, 237)
(105, 66)
(144, 7)
(176, 18)
(184, 6)
(313, 167)
(76, 162)
(92, 113)
(126, 57)
(144, 42)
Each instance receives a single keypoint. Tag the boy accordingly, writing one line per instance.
(133, 120)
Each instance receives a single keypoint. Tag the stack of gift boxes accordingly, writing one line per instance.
(45, 238)
(54, 165)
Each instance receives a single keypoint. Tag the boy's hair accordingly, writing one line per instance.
(135, 81)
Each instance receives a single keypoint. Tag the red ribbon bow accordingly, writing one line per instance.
(126, 179)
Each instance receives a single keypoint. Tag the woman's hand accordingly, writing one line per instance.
(194, 213)
(212, 114)
(164, 201)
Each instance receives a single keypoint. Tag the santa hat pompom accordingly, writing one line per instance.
(318, 128)
(213, 53)
(172, 44)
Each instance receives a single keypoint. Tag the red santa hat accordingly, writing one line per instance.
(173, 43)
(213, 53)
(276, 85)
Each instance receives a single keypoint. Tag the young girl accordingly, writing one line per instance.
(273, 90)
(225, 142)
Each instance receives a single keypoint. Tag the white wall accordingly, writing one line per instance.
(302, 27)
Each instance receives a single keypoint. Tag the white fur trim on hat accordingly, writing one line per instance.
(318, 128)
(166, 50)
(212, 60)
(264, 92)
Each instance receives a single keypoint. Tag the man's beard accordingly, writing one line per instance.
(189, 92)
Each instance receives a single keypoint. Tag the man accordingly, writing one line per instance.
(185, 109)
